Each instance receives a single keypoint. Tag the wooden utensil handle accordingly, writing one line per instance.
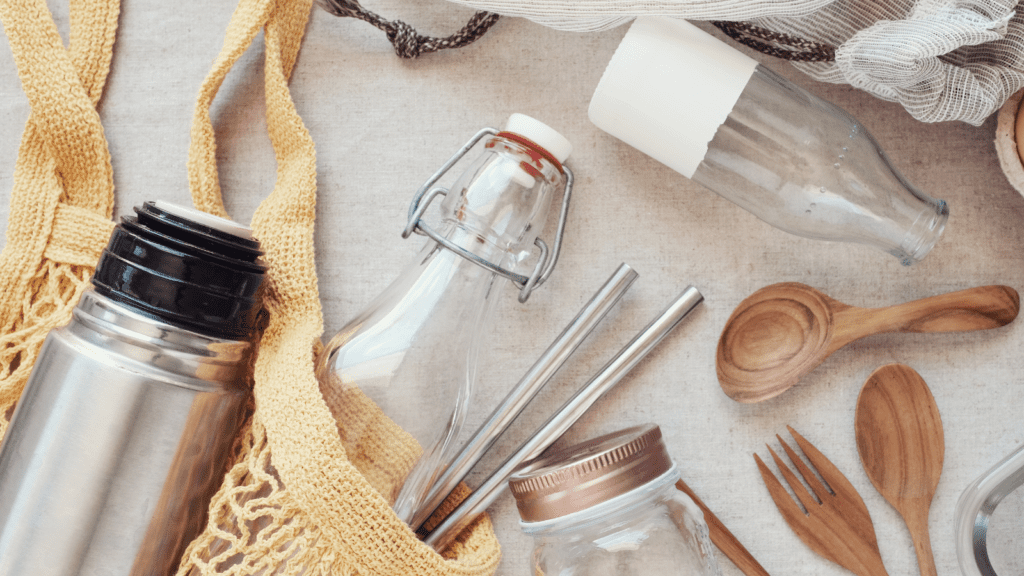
(918, 526)
(978, 308)
(724, 539)
(925, 560)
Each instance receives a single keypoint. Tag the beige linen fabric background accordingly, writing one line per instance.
(382, 126)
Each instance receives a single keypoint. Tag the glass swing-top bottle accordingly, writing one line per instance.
(403, 369)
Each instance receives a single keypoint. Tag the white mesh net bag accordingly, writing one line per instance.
(941, 59)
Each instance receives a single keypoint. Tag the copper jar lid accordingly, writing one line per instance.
(590, 473)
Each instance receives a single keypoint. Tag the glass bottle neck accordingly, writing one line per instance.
(503, 196)
(807, 167)
(479, 244)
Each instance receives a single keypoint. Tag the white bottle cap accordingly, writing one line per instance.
(668, 88)
(209, 220)
(541, 134)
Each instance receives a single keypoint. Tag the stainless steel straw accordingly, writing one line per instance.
(528, 387)
(565, 417)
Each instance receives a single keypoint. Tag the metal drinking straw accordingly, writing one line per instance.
(565, 417)
(528, 387)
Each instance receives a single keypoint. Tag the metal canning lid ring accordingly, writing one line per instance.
(590, 473)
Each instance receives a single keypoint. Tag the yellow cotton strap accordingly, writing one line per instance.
(63, 194)
(338, 523)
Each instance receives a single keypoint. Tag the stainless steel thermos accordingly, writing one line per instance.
(125, 428)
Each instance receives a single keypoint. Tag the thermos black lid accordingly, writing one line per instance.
(185, 267)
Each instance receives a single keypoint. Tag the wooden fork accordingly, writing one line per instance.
(836, 525)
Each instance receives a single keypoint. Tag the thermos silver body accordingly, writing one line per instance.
(123, 433)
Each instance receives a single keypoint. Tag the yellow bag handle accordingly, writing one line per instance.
(308, 510)
(63, 193)
(311, 511)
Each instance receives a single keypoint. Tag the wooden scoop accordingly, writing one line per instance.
(900, 440)
(783, 331)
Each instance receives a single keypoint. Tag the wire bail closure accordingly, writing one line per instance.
(548, 257)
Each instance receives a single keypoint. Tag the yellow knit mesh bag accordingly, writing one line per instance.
(294, 502)
(63, 193)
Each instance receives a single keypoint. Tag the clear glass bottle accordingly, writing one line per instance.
(610, 506)
(404, 367)
(792, 159)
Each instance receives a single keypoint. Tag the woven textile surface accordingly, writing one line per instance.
(62, 198)
(941, 59)
(293, 503)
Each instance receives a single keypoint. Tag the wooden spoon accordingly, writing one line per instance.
(900, 440)
(783, 331)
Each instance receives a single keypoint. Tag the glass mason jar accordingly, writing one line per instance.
(790, 158)
(974, 514)
(399, 376)
(610, 506)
